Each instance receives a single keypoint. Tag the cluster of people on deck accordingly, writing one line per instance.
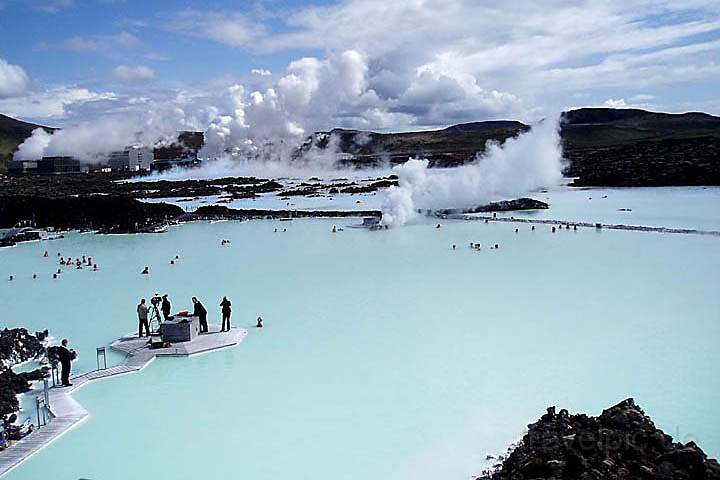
(199, 310)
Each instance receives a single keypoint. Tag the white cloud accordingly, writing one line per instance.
(485, 59)
(127, 40)
(615, 103)
(133, 74)
(52, 103)
(13, 80)
(54, 6)
(642, 97)
(79, 44)
(230, 28)
(261, 72)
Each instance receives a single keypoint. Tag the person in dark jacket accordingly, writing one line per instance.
(200, 312)
(65, 356)
(226, 310)
(166, 307)
(142, 312)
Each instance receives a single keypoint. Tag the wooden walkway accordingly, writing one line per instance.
(66, 413)
(564, 223)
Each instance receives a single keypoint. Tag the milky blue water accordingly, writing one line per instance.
(385, 354)
(679, 207)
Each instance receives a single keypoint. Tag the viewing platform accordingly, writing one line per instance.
(65, 413)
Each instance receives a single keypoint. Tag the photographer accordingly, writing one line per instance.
(66, 357)
(166, 307)
(200, 312)
(142, 312)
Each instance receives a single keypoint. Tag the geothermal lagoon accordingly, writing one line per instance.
(385, 354)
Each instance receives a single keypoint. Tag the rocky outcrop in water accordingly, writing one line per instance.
(622, 443)
(502, 206)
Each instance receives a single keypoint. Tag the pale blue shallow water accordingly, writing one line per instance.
(385, 354)
(679, 207)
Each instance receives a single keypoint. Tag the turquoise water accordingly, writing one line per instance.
(679, 207)
(385, 354)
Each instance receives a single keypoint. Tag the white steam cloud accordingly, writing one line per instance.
(266, 125)
(522, 164)
(92, 141)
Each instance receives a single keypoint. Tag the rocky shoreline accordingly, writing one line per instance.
(17, 346)
(106, 214)
(621, 443)
(215, 212)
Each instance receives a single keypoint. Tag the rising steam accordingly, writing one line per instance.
(523, 164)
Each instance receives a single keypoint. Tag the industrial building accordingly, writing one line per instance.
(45, 166)
(131, 159)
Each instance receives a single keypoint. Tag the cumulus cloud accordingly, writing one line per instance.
(13, 80)
(51, 103)
(490, 59)
(133, 74)
(261, 72)
(615, 103)
(127, 40)
(230, 28)
(312, 93)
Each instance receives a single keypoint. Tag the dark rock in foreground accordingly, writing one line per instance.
(621, 443)
(503, 206)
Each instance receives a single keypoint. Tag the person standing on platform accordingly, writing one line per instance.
(200, 312)
(166, 307)
(226, 310)
(65, 356)
(142, 312)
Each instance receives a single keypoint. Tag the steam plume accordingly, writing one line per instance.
(524, 163)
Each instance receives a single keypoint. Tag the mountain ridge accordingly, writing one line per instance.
(603, 146)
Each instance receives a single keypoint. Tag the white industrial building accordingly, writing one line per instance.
(132, 159)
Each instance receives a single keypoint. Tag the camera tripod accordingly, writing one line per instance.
(155, 319)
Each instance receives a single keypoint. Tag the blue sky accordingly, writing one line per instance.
(282, 67)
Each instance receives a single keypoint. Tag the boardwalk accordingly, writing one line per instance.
(607, 226)
(66, 412)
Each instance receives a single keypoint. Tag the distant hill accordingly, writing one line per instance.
(450, 146)
(625, 147)
(12, 133)
(604, 146)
